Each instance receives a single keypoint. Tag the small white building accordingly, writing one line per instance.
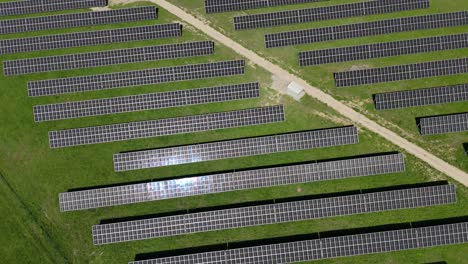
(296, 91)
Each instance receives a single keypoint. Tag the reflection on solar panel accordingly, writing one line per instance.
(38, 6)
(89, 38)
(112, 57)
(235, 148)
(274, 213)
(218, 6)
(331, 247)
(326, 13)
(402, 72)
(133, 103)
(164, 127)
(227, 182)
(429, 96)
(379, 50)
(77, 20)
(135, 78)
(443, 124)
(373, 28)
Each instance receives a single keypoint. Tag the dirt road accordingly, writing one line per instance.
(316, 93)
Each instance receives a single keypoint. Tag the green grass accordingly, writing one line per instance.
(448, 147)
(36, 232)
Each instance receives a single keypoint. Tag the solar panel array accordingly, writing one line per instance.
(443, 124)
(272, 214)
(38, 6)
(141, 102)
(235, 148)
(135, 78)
(218, 6)
(365, 29)
(420, 97)
(326, 13)
(164, 127)
(330, 247)
(77, 19)
(379, 50)
(89, 38)
(402, 72)
(226, 182)
(111, 57)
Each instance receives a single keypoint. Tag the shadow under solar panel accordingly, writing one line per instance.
(380, 50)
(232, 181)
(90, 38)
(136, 78)
(39, 6)
(218, 6)
(235, 148)
(372, 28)
(326, 13)
(329, 247)
(141, 102)
(402, 72)
(166, 127)
(421, 97)
(273, 213)
(443, 124)
(77, 19)
(106, 58)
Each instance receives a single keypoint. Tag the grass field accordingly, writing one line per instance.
(448, 146)
(34, 231)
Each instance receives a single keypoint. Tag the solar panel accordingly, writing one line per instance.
(402, 72)
(443, 124)
(420, 97)
(373, 28)
(380, 50)
(235, 148)
(38, 6)
(77, 19)
(164, 127)
(232, 181)
(330, 247)
(273, 213)
(141, 102)
(104, 58)
(218, 6)
(326, 13)
(135, 78)
(89, 38)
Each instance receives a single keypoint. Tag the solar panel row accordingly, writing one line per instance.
(272, 214)
(77, 20)
(331, 247)
(89, 38)
(164, 127)
(135, 78)
(218, 6)
(365, 29)
(111, 57)
(38, 6)
(387, 49)
(235, 148)
(420, 97)
(226, 182)
(401, 72)
(326, 13)
(443, 124)
(141, 102)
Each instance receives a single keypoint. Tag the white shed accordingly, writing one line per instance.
(296, 91)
